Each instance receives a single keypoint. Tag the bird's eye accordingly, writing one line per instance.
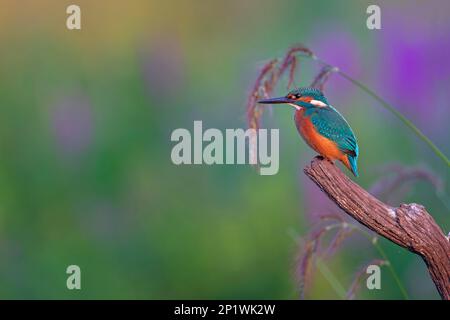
(293, 96)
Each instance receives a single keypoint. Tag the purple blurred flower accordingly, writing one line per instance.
(414, 66)
(72, 122)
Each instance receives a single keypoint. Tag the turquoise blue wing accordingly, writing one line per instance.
(332, 125)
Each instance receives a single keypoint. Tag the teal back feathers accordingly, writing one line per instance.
(332, 125)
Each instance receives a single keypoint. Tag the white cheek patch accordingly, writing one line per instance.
(318, 103)
(295, 106)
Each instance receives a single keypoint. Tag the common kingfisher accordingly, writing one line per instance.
(322, 127)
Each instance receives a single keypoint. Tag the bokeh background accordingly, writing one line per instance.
(85, 121)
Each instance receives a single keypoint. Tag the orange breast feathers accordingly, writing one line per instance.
(324, 146)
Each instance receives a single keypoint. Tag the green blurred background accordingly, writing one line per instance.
(85, 121)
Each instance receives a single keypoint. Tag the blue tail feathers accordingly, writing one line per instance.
(352, 160)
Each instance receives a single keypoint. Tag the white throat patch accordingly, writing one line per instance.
(295, 106)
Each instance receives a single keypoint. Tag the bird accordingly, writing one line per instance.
(322, 127)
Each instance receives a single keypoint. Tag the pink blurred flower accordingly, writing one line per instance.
(162, 67)
(340, 49)
(72, 122)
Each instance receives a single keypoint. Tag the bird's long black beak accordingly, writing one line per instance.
(275, 100)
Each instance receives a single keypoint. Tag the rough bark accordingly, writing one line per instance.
(409, 225)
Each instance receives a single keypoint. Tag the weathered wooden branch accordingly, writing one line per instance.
(409, 225)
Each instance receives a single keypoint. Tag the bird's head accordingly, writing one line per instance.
(300, 98)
